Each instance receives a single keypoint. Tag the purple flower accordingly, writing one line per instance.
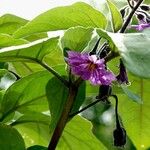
(122, 77)
(90, 68)
(141, 26)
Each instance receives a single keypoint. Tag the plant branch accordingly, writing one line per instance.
(126, 23)
(65, 82)
(63, 118)
(113, 54)
(86, 107)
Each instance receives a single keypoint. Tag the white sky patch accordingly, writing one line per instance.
(29, 9)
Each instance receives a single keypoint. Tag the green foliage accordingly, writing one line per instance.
(78, 14)
(13, 140)
(8, 40)
(134, 49)
(135, 116)
(116, 16)
(78, 136)
(76, 38)
(32, 103)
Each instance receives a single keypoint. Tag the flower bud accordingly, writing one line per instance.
(140, 17)
(119, 136)
(145, 7)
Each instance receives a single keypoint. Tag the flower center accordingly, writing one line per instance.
(92, 66)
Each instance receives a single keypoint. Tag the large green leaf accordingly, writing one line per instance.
(60, 18)
(135, 117)
(26, 94)
(29, 52)
(135, 52)
(78, 135)
(10, 139)
(57, 95)
(34, 127)
(53, 57)
(116, 17)
(76, 38)
(46, 50)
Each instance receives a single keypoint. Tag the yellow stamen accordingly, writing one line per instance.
(91, 66)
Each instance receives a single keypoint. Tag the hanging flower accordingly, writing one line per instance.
(90, 68)
(122, 77)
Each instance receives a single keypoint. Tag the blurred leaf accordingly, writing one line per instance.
(136, 117)
(77, 135)
(60, 18)
(10, 139)
(131, 95)
(116, 17)
(26, 94)
(76, 38)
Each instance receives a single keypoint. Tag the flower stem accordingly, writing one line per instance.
(63, 118)
(86, 107)
(44, 65)
(126, 23)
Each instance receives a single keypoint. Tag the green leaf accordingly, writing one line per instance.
(61, 18)
(8, 40)
(106, 36)
(10, 139)
(34, 133)
(26, 94)
(37, 147)
(29, 52)
(34, 127)
(135, 52)
(10, 23)
(35, 117)
(78, 135)
(131, 95)
(57, 95)
(76, 38)
(48, 50)
(116, 17)
(135, 117)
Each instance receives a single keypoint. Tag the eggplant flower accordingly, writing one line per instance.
(141, 26)
(89, 67)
